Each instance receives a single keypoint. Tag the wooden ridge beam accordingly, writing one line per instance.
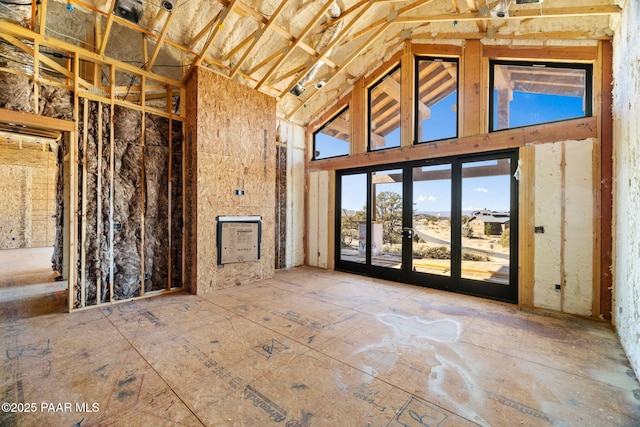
(561, 12)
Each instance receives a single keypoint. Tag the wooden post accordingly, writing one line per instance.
(526, 243)
(407, 95)
(331, 221)
(470, 111)
(606, 180)
(358, 118)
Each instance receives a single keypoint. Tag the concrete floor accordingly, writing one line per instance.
(310, 348)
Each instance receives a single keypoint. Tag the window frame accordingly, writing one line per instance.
(340, 112)
(588, 95)
(416, 113)
(388, 74)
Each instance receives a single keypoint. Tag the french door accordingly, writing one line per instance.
(448, 223)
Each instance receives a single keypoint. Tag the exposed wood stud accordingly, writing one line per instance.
(112, 78)
(606, 180)
(526, 211)
(83, 232)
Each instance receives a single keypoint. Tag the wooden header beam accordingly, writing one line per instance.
(576, 129)
(36, 121)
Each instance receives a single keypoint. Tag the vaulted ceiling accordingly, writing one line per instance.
(305, 53)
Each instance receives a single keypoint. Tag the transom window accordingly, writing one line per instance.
(384, 112)
(525, 94)
(334, 138)
(436, 99)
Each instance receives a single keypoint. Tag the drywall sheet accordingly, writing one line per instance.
(548, 197)
(232, 132)
(579, 232)
(626, 131)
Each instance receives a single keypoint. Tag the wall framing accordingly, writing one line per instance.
(79, 74)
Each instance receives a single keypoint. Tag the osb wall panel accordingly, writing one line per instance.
(27, 205)
(234, 146)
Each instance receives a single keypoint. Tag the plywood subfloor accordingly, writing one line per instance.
(316, 348)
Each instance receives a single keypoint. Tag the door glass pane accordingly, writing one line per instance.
(431, 243)
(486, 200)
(386, 224)
(353, 230)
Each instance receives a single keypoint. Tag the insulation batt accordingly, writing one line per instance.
(127, 209)
(156, 221)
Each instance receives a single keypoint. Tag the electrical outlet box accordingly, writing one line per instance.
(538, 229)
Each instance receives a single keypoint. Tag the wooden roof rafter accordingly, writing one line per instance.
(258, 37)
(322, 56)
(296, 43)
(384, 24)
(107, 30)
(160, 40)
(215, 25)
(345, 64)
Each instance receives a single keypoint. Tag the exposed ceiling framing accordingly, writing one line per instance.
(276, 45)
